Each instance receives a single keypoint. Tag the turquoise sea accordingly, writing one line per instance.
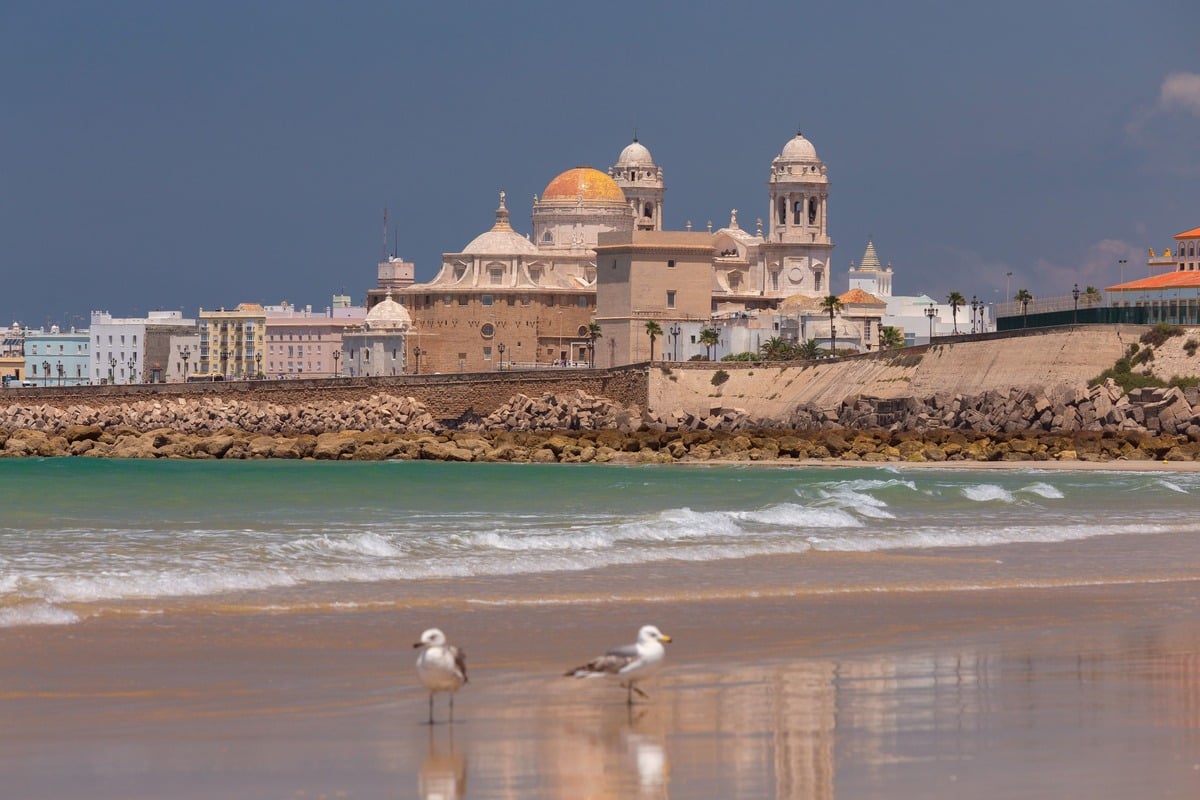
(82, 537)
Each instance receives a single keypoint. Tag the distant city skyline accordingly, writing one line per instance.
(185, 157)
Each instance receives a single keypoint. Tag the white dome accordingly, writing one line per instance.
(634, 154)
(499, 243)
(388, 314)
(799, 149)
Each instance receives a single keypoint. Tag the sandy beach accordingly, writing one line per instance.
(981, 677)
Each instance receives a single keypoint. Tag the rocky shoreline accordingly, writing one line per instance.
(1090, 425)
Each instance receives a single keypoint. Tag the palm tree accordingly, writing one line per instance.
(653, 330)
(709, 338)
(810, 350)
(1092, 296)
(1023, 297)
(956, 301)
(593, 333)
(890, 338)
(832, 304)
(775, 349)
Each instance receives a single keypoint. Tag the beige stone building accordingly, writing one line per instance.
(512, 301)
(232, 343)
(664, 277)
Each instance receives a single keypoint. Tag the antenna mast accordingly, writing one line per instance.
(385, 235)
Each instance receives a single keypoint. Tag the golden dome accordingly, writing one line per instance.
(591, 184)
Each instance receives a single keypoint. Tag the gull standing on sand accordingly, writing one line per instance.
(631, 664)
(441, 667)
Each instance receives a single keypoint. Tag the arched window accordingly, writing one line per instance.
(797, 210)
(782, 211)
(547, 238)
(812, 211)
(648, 211)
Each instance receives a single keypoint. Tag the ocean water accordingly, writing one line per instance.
(81, 537)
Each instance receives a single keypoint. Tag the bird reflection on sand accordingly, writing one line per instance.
(443, 774)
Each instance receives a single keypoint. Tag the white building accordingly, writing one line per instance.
(379, 346)
(911, 314)
(134, 350)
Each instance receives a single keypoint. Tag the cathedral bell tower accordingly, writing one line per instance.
(797, 246)
(642, 182)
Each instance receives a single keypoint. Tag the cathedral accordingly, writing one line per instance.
(509, 301)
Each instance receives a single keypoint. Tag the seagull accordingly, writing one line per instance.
(441, 667)
(631, 663)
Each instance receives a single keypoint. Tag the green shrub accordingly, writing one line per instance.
(1190, 346)
(1160, 333)
(719, 377)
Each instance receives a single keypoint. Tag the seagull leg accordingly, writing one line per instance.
(431, 708)
(639, 691)
(452, 707)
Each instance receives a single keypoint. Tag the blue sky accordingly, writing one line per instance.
(167, 155)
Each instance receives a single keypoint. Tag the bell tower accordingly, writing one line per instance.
(642, 182)
(797, 246)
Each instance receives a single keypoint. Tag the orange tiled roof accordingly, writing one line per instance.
(858, 297)
(1185, 279)
(1194, 233)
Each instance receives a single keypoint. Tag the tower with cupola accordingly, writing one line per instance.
(642, 182)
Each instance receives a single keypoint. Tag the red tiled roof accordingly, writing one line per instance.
(1185, 279)
(1194, 233)
(858, 297)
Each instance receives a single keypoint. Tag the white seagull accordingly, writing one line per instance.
(441, 667)
(631, 664)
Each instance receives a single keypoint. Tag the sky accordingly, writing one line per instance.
(186, 155)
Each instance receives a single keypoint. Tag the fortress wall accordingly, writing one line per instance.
(1050, 360)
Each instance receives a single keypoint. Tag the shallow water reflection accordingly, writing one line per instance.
(1120, 719)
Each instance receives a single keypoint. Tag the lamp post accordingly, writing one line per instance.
(132, 364)
(500, 348)
(45, 372)
(258, 365)
(417, 353)
(337, 355)
(675, 330)
(1121, 265)
(59, 368)
(185, 354)
(974, 312)
(224, 363)
(931, 312)
(112, 369)
(560, 333)
(1075, 296)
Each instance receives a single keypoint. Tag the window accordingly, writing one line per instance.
(496, 276)
(670, 263)
(462, 299)
(486, 300)
(670, 298)
(583, 302)
(487, 352)
(488, 331)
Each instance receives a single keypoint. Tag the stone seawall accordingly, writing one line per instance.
(447, 398)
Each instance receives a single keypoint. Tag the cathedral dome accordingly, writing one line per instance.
(799, 149)
(635, 154)
(585, 182)
(501, 240)
(388, 315)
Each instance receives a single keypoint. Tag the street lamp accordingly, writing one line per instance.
(185, 354)
(59, 367)
(337, 355)
(112, 369)
(224, 363)
(417, 353)
(675, 330)
(500, 348)
(45, 372)
(975, 304)
(931, 312)
(1121, 265)
(132, 364)
(1075, 295)
(258, 364)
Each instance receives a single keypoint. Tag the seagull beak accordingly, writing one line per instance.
(417, 644)
(664, 638)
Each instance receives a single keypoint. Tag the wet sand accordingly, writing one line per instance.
(939, 685)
